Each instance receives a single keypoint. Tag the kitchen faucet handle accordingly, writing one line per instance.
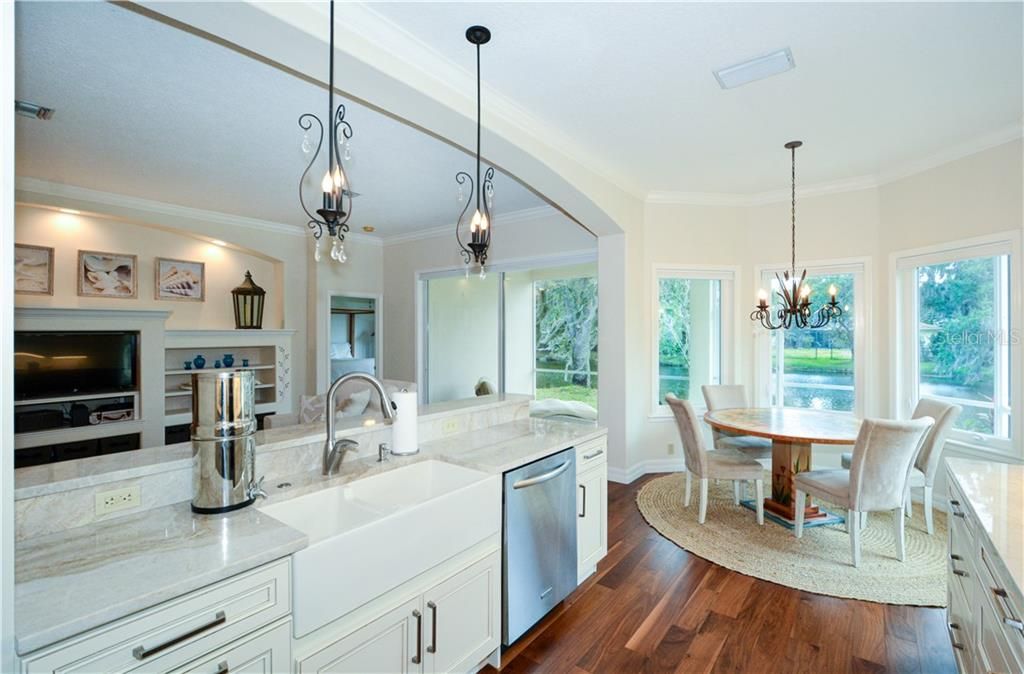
(256, 488)
(383, 452)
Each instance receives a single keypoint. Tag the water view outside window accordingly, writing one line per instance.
(689, 336)
(565, 324)
(815, 368)
(963, 338)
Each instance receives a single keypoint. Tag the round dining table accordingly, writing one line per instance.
(792, 432)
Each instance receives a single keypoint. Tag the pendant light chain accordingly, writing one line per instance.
(792, 214)
(479, 186)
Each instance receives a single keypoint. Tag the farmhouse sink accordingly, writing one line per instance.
(371, 535)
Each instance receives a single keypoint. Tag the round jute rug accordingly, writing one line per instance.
(819, 562)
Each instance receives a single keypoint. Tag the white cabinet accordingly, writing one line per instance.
(591, 506)
(451, 627)
(387, 645)
(985, 606)
(267, 651)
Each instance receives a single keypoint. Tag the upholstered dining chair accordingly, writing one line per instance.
(877, 479)
(730, 396)
(926, 467)
(718, 465)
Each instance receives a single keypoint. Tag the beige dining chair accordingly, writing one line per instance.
(717, 465)
(877, 479)
(731, 396)
(926, 467)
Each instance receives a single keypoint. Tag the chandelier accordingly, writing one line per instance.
(476, 248)
(797, 310)
(336, 204)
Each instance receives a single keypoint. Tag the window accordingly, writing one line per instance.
(565, 338)
(819, 368)
(689, 339)
(957, 340)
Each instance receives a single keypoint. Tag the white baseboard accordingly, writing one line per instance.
(637, 470)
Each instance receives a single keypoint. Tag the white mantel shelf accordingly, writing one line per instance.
(220, 334)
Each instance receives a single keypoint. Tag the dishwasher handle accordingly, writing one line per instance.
(543, 477)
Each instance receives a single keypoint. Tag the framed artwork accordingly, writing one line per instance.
(33, 269)
(107, 274)
(180, 280)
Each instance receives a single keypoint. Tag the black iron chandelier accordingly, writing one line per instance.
(796, 310)
(336, 205)
(476, 249)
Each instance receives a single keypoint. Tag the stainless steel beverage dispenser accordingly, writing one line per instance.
(223, 441)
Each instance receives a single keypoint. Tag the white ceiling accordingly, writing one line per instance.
(149, 111)
(877, 86)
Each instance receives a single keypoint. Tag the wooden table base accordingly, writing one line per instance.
(788, 459)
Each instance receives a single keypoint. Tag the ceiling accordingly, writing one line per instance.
(877, 86)
(149, 111)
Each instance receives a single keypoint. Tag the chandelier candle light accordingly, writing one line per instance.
(336, 206)
(796, 310)
(476, 249)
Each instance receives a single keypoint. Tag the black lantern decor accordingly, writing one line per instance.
(248, 300)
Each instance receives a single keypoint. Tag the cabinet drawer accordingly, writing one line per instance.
(591, 453)
(960, 626)
(1005, 602)
(267, 651)
(172, 634)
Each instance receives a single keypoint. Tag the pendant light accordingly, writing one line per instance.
(480, 225)
(797, 310)
(336, 191)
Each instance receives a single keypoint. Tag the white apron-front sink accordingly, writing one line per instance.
(371, 535)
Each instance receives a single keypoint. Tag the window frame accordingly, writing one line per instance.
(906, 347)
(727, 276)
(860, 268)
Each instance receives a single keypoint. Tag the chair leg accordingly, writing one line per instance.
(853, 517)
(686, 498)
(897, 518)
(908, 508)
(759, 495)
(929, 523)
(864, 519)
(735, 492)
(703, 512)
(798, 529)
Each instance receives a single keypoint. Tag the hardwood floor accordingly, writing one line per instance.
(653, 607)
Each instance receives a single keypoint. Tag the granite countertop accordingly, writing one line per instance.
(75, 580)
(995, 494)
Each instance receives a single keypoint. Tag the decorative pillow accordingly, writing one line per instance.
(355, 405)
(341, 351)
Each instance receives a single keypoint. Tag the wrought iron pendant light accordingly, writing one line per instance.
(797, 310)
(476, 249)
(336, 202)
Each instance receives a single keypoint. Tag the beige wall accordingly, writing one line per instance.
(225, 267)
(975, 195)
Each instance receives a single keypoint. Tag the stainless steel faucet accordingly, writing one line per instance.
(334, 450)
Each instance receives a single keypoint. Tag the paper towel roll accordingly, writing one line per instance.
(404, 439)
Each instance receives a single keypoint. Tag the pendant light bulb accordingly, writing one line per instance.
(327, 184)
(483, 221)
(474, 224)
(339, 181)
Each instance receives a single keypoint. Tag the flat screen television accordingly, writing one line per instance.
(63, 364)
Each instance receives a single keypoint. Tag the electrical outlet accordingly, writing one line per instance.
(450, 427)
(671, 448)
(118, 499)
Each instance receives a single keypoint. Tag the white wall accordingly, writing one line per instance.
(225, 267)
(975, 195)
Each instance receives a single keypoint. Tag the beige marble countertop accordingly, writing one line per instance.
(995, 495)
(75, 580)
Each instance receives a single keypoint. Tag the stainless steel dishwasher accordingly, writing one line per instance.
(538, 541)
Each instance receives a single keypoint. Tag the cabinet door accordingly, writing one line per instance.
(462, 618)
(388, 645)
(591, 519)
(268, 651)
(993, 655)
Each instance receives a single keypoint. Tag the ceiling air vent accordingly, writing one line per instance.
(755, 69)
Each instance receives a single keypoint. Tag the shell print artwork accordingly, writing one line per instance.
(180, 280)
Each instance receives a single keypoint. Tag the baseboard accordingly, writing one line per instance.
(638, 470)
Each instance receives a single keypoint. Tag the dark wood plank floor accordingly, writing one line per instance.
(652, 607)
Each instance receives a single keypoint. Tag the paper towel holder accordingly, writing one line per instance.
(398, 420)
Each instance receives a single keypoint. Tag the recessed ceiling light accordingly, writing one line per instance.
(69, 211)
(218, 242)
(755, 69)
(34, 110)
(369, 229)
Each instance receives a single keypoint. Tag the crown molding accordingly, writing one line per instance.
(511, 218)
(988, 141)
(26, 187)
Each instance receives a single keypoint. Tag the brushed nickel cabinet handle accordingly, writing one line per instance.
(141, 652)
(223, 668)
(584, 513)
(959, 513)
(432, 648)
(416, 659)
(593, 454)
(1008, 618)
(961, 573)
(956, 558)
